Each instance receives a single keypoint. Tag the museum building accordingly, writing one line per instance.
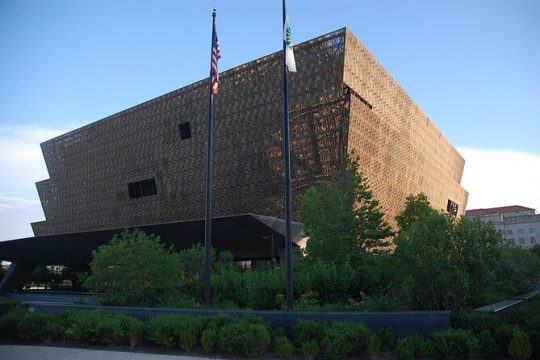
(145, 166)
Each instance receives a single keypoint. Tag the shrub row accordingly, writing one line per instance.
(476, 334)
(516, 334)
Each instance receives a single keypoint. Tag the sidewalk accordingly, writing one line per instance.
(23, 352)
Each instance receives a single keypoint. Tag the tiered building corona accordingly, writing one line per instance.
(146, 165)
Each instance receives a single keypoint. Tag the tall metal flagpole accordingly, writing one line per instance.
(287, 155)
(208, 212)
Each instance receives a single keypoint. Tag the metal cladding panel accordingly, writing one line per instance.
(90, 168)
(341, 101)
(401, 151)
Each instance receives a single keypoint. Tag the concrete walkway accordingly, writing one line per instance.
(23, 352)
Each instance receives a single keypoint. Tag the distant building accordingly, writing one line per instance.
(519, 225)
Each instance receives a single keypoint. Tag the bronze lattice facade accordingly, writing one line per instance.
(341, 101)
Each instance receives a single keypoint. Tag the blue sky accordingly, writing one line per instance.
(472, 66)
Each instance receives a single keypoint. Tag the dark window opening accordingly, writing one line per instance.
(142, 188)
(185, 131)
(452, 207)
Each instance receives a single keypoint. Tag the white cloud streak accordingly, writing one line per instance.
(16, 214)
(501, 177)
(22, 165)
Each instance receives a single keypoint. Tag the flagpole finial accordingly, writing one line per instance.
(214, 12)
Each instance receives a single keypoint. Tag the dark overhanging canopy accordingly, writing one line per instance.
(247, 236)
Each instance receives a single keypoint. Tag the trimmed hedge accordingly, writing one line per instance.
(175, 331)
(455, 344)
(476, 335)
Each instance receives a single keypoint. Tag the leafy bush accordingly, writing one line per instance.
(445, 262)
(135, 269)
(188, 331)
(321, 281)
(476, 321)
(161, 331)
(228, 283)
(8, 305)
(97, 327)
(132, 329)
(384, 303)
(342, 339)
(373, 346)
(307, 330)
(9, 322)
(64, 321)
(388, 341)
(487, 345)
(519, 270)
(455, 344)
(405, 349)
(209, 340)
(414, 346)
(526, 316)
(311, 349)
(262, 288)
(249, 336)
(427, 349)
(174, 330)
(212, 327)
(535, 342)
(503, 336)
(283, 347)
(37, 327)
(492, 332)
(520, 346)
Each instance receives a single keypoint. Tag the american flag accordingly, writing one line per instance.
(216, 55)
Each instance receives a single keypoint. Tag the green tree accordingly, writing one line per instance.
(372, 232)
(536, 249)
(329, 223)
(417, 208)
(135, 269)
(342, 218)
(518, 271)
(444, 262)
(192, 270)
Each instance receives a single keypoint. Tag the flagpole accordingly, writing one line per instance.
(287, 155)
(208, 211)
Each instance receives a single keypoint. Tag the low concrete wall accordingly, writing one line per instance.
(402, 323)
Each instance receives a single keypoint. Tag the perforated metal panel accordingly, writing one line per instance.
(401, 151)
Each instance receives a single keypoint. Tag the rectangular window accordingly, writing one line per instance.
(521, 241)
(520, 231)
(452, 207)
(134, 190)
(509, 232)
(533, 240)
(142, 188)
(185, 131)
(531, 230)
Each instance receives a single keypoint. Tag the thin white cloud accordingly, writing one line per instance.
(22, 166)
(501, 177)
(16, 214)
(21, 159)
